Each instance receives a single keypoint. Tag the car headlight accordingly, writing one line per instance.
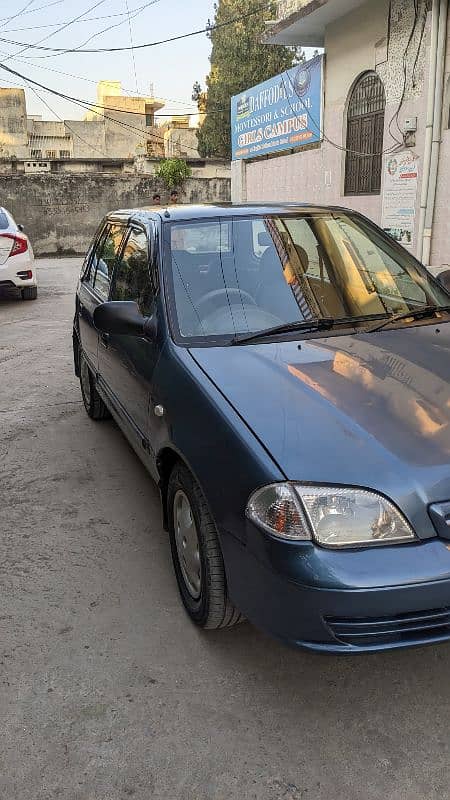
(332, 516)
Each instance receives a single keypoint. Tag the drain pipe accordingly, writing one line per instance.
(429, 126)
(437, 130)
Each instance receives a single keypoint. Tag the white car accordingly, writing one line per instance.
(17, 268)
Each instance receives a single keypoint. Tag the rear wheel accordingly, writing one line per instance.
(196, 554)
(29, 293)
(93, 403)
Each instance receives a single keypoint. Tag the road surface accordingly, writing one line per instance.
(107, 691)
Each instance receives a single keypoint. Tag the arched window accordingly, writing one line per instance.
(365, 127)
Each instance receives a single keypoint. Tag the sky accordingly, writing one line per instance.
(171, 69)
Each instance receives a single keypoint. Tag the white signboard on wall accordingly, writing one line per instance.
(399, 196)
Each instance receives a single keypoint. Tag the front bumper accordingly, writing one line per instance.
(341, 601)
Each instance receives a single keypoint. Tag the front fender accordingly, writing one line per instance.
(204, 431)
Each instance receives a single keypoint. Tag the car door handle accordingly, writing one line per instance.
(104, 338)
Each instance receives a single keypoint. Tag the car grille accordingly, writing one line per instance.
(421, 626)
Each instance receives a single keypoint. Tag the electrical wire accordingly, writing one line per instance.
(88, 102)
(90, 107)
(78, 49)
(33, 10)
(405, 77)
(65, 123)
(62, 28)
(91, 80)
(55, 24)
(19, 13)
(133, 60)
(321, 131)
(208, 29)
(422, 34)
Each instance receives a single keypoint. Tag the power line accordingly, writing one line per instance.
(19, 13)
(55, 24)
(62, 28)
(133, 60)
(91, 80)
(90, 107)
(74, 133)
(88, 102)
(208, 29)
(78, 49)
(321, 131)
(33, 10)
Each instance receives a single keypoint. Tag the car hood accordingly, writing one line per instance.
(365, 409)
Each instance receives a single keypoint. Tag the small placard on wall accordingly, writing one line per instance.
(400, 180)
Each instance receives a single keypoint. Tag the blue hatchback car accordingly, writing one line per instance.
(284, 373)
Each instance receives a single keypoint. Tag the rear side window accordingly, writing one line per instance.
(132, 276)
(104, 258)
(4, 221)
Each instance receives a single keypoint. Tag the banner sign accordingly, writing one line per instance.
(279, 114)
(399, 196)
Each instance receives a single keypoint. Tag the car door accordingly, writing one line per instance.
(94, 286)
(126, 363)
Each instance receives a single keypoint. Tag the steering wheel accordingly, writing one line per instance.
(219, 297)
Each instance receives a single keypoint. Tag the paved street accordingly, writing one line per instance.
(107, 691)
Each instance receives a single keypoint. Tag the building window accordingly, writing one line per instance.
(36, 154)
(64, 153)
(149, 120)
(50, 154)
(365, 128)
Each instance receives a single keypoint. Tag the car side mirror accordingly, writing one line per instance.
(123, 318)
(444, 279)
(21, 228)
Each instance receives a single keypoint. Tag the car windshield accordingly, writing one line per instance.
(238, 275)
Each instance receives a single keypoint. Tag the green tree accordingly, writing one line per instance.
(238, 61)
(173, 171)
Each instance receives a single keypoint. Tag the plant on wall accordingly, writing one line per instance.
(173, 171)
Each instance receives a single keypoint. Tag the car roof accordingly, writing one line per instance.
(177, 213)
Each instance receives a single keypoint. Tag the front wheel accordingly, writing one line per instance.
(196, 554)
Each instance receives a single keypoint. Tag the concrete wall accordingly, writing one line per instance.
(139, 165)
(61, 212)
(88, 138)
(201, 168)
(354, 44)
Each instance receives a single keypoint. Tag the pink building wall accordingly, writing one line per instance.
(317, 175)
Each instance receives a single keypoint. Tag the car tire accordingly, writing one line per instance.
(29, 293)
(93, 403)
(204, 593)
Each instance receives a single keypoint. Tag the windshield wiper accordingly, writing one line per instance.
(323, 324)
(416, 313)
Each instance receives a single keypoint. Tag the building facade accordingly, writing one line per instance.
(117, 127)
(386, 96)
(180, 138)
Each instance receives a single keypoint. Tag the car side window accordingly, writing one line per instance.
(104, 258)
(132, 275)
